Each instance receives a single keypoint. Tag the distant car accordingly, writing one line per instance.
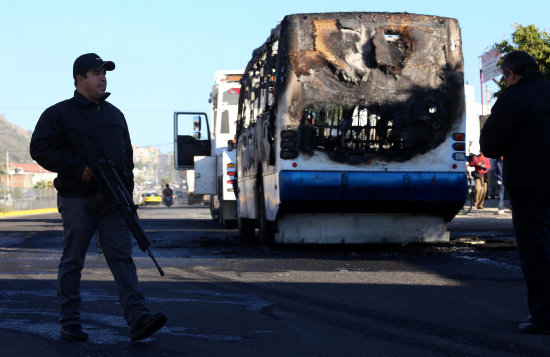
(150, 199)
(178, 193)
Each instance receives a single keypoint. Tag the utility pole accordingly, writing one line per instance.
(481, 80)
(8, 170)
(488, 99)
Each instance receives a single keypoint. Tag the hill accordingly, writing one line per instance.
(15, 140)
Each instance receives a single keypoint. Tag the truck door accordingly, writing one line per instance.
(191, 138)
(192, 151)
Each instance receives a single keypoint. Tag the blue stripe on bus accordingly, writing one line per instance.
(372, 186)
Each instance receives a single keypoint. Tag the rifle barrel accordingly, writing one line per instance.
(155, 261)
(126, 207)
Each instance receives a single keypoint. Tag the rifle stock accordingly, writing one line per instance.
(125, 205)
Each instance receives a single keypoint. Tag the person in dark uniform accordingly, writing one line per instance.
(167, 194)
(167, 191)
(69, 138)
(518, 129)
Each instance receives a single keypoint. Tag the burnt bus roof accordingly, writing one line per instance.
(390, 48)
(405, 68)
(391, 20)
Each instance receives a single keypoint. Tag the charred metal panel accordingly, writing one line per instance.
(371, 86)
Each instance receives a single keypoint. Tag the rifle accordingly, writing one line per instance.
(114, 188)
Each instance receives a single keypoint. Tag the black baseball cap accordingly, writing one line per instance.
(90, 61)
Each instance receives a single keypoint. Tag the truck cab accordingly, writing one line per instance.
(204, 150)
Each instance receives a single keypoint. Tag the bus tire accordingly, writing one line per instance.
(267, 231)
(247, 230)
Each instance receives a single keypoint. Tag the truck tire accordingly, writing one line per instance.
(215, 209)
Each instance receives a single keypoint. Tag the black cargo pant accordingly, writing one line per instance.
(531, 218)
(79, 226)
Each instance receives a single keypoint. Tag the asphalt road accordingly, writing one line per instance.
(463, 298)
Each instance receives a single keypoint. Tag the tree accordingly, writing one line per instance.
(163, 182)
(139, 180)
(531, 40)
(41, 184)
(139, 165)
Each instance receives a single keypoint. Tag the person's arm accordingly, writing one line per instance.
(473, 163)
(49, 149)
(128, 170)
(500, 126)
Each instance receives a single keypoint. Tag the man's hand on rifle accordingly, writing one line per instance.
(87, 175)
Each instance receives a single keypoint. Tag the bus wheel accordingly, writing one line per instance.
(267, 233)
(247, 229)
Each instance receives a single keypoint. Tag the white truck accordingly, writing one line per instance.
(204, 150)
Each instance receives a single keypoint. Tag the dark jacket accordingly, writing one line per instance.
(76, 133)
(519, 130)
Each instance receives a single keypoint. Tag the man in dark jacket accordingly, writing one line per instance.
(518, 129)
(69, 138)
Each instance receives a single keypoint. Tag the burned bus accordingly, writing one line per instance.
(351, 129)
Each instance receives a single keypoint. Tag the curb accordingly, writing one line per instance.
(27, 212)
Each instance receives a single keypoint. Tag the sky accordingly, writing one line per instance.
(166, 52)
